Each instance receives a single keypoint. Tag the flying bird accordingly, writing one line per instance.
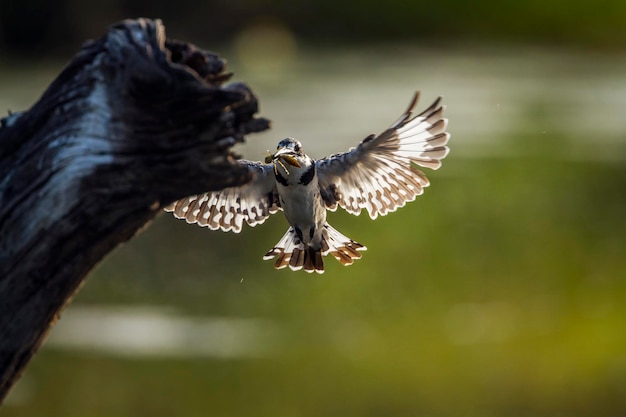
(379, 175)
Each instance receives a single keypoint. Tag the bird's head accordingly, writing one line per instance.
(290, 151)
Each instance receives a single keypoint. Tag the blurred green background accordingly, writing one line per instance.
(499, 292)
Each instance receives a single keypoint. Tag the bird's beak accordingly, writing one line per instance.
(286, 155)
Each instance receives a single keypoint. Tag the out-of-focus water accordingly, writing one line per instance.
(149, 332)
(333, 99)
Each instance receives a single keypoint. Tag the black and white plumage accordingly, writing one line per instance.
(378, 175)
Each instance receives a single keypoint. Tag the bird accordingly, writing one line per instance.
(379, 176)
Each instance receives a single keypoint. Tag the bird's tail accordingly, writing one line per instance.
(291, 251)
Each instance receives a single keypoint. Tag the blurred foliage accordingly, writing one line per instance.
(34, 27)
(499, 293)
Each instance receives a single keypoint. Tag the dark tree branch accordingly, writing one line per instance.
(134, 122)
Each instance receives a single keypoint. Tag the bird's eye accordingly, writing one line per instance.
(296, 148)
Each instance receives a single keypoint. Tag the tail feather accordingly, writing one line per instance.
(316, 258)
(297, 259)
(291, 251)
(282, 261)
(342, 257)
(309, 264)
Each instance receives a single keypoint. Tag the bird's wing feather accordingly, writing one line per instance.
(227, 209)
(379, 174)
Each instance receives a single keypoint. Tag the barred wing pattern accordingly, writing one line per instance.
(378, 175)
(227, 209)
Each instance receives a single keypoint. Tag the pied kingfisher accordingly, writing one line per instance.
(378, 175)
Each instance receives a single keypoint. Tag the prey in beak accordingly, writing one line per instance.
(287, 155)
(283, 154)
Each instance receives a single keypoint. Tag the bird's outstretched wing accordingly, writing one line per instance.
(227, 209)
(378, 175)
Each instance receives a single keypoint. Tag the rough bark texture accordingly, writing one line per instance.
(134, 122)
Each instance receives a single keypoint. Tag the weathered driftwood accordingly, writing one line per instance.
(134, 122)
